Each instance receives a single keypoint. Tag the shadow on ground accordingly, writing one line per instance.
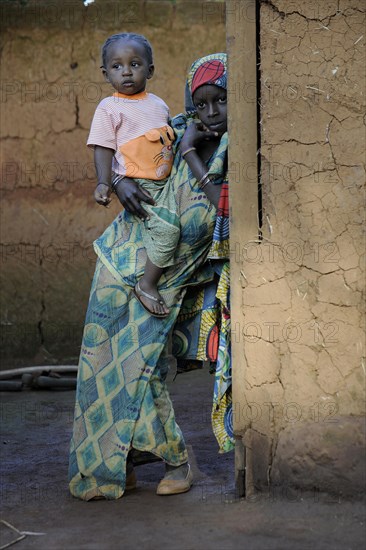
(36, 428)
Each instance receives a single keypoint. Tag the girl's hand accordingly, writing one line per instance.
(130, 195)
(195, 134)
(102, 194)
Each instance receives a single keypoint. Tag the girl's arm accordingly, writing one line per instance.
(130, 195)
(194, 136)
(199, 169)
(103, 167)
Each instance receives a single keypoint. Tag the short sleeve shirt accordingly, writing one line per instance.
(136, 128)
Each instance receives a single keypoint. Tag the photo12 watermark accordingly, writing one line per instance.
(25, 92)
(291, 252)
(325, 333)
(285, 413)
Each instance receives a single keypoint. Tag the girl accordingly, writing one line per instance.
(122, 401)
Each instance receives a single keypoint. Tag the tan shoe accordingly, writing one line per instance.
(175, 486)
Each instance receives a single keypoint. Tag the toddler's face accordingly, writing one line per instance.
(211, 104)
(127, 67)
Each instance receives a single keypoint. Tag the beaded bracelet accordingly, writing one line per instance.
(188, 151)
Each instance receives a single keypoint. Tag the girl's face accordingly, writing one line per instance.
(211, 104)
(127, 67)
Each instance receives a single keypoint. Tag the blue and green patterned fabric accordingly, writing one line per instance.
(122, 401)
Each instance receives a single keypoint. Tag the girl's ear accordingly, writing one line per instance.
(151, 70)
(105, 74)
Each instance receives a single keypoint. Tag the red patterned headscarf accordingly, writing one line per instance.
(211, 69)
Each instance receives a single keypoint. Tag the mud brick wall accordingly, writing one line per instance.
(50, 85)
(303, 285)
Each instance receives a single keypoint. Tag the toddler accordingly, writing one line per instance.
(131, 138)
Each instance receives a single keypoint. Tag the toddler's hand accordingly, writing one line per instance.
(102, 194)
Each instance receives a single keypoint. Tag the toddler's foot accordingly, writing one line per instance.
(150, 299)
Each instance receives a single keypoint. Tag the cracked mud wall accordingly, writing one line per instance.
(50, 85)
(303, 285)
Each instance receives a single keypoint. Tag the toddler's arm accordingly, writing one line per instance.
(103, 167)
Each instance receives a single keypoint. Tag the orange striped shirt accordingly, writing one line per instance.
(136, 128)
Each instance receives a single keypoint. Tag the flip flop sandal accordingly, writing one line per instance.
(138, 292)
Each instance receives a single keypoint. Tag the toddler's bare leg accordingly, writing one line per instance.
(149, 283)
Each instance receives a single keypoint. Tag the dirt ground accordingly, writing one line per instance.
(36, 428)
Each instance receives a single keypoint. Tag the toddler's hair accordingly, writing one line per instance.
(128, 36)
